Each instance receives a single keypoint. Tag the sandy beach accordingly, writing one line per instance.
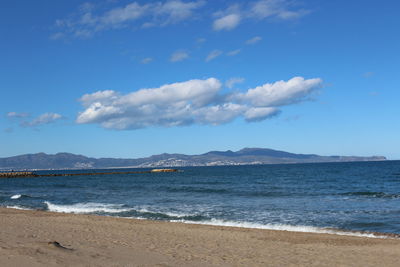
(38, 238)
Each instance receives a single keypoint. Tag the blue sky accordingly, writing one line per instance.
(136, 78)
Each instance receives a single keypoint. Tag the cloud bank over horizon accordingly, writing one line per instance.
(192, 102)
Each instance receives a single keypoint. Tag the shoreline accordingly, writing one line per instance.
(246, 225)
(31, 238)
(301, 229)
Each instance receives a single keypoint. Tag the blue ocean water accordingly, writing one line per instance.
(359, 196)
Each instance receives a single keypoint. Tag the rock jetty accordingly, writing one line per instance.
(18, 174)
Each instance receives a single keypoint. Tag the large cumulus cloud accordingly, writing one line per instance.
(191, 102)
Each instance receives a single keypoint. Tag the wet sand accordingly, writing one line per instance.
(38, 238)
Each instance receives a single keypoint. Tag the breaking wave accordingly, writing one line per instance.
(291, 228)
(144, 213)
(123, 211)
(86, 208)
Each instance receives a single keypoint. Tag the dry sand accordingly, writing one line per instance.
(27, 239)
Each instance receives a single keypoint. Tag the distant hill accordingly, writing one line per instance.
(246, 156)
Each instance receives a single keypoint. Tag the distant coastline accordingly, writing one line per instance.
(246, 156)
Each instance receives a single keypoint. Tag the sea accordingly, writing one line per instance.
(352, 198)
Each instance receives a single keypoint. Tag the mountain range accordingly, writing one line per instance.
(246, 156)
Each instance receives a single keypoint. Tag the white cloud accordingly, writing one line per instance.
(45, 118)
(275, 8)
(116, 17)
(213, 54)
(266, 8)
(259, 114)
(179, 56)
(258, 10)
(100, 96)
(253, 40)
(227, 22)
(280, 93)
(175, 11)
(219, 114)
(233, 52)
(85, 22)
(13, 114)
(90, 19)
(146, 60)
(168, 105)
(232, 81)
(190, 102)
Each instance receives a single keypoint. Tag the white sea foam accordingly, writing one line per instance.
(86, 208)
(17, 208)
(16, 196)
(171, 214)
(283, 227)
(179, 215)
(115, 208)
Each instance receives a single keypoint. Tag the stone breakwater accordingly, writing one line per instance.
(16, 174)
(33, 174)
